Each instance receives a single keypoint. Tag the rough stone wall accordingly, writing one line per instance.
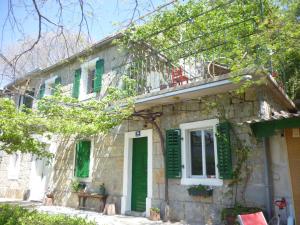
(112, 59)
(15, 188)
(109, 156)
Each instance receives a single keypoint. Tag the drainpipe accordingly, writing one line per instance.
(268, 177)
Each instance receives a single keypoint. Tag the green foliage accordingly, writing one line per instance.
(200, 190)
(18, 128)
(238, 210)
(156, 210)
(61, 115)
(16, 215)
(239, 34)
(75, 186)
(199, 187)
(68, 116)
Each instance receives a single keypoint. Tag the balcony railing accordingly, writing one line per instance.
(152, 74)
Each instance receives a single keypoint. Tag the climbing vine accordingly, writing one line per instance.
(22, 129)
(235, 33)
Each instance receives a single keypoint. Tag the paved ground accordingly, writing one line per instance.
(93, 216)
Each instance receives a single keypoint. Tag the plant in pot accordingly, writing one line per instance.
(200, 190)
(154, 214)
(102, 190)
(77, 186)
(230, 214)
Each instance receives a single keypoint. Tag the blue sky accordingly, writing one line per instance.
(104, 17)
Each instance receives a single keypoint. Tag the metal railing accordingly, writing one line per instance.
(152, 74)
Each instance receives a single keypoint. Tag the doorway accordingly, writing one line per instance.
(139, 174)
(38, 179)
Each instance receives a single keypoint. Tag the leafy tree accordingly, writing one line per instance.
(22, 129)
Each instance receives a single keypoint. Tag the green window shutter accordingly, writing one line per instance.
(82, 159)
(173, 153)
(76, 83)
(42, 91)
(224, 150)
(98, 75)
(57, 82)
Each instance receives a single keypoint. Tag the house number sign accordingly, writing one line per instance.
(138, 133)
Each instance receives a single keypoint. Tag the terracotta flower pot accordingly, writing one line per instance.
(155, 216)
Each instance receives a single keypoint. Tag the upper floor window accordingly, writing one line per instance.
(49, 86)
(26, 99)
(88, 79)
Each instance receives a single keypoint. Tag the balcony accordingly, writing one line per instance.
(153, 75)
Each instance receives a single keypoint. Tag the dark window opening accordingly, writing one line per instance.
(90, 81)
(196, 152)
(27, 99)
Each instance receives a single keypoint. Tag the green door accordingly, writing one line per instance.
(139, 174)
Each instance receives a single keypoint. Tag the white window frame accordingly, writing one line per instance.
(83, 95)
(187, 178)
(89, 178)
(14, 166)
(49, 83)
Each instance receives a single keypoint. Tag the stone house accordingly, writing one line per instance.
(188, 112)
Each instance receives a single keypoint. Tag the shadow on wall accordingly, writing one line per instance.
(107, 167)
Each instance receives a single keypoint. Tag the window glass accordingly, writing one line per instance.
(209, 153)
(90, 81)
(196, 152)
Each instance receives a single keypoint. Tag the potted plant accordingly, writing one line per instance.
(229, 215)
(154, 214)
(77, 186)
(200, 190)
(102, 189)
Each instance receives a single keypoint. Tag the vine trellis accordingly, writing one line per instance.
(201, 37)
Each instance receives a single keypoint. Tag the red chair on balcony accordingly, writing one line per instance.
(177, 77)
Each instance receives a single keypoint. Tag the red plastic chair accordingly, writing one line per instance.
(178, 77)
(252, 219)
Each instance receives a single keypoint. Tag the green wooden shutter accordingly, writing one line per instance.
(98, 75)
(82, 161)
(173, 153)
(42, 91)
(57, 82)
(224, 150)
(76, 83)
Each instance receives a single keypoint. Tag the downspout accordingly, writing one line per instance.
(268, 177)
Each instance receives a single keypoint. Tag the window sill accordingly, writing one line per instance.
(202, 181)
(87, 180)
